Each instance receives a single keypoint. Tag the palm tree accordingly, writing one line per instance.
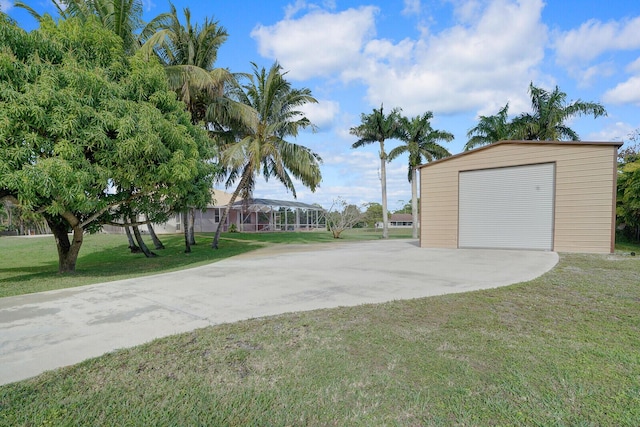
(378, 127)
(262, 147)
(123, 17)
(490, 129)
(421, 142)
(550, 112)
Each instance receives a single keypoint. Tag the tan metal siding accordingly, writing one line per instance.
(583, 199)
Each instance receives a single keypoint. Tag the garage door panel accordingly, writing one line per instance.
(509, 208)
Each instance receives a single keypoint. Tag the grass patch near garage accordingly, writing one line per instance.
(559, 350)
(30, 264)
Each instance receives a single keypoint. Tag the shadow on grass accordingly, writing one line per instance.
(108, 258)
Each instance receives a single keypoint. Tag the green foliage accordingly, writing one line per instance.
(233, 228)
(628, 198)
(372, 214)
(89, 134)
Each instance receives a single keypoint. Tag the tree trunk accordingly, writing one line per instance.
(156, 242)
(414, 201)
(67, 250)
(187, 240)
(192, 224)
(132, 244)
(143, 247)
(383, 183)
(216, 238)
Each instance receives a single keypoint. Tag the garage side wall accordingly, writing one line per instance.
(584, 192)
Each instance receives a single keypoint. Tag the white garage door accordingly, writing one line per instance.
(509, 208)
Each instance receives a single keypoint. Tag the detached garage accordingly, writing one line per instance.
(543, 195)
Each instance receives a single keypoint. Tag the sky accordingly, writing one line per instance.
(456, 58)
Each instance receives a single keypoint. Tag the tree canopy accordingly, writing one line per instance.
(88, 133)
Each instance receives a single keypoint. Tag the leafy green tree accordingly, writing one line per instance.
(263, 147)
(123, 17)
(372, 214)
(490, 129)
(89, 135)
(550, 113)
(421, 143)
(628, 197)
(378, 127)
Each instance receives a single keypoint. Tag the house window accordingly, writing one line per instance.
(178, 218)
(216, 215)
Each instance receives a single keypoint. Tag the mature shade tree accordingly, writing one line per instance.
(421, 143)
(88, 133)
(123, 17)
(263, 147)
(378, 127)
(490, 129)
(550, 112)
(372, 214)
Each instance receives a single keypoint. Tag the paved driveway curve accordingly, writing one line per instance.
(51, 329)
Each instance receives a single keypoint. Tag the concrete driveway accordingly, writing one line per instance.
(43, 331)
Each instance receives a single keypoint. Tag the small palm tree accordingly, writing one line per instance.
(550, 112)
(490, 129)
(378, 127)
(421, 142)
(263, 148)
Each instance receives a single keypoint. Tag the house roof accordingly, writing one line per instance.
(495, 144)
(271, 204)
(401, 217)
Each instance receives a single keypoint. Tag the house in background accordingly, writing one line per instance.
(544, 195)
(251, 215)
(399, 221)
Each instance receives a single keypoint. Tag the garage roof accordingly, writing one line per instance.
(488, 147)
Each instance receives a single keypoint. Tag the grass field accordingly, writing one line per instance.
(559, 350)
(30, 264)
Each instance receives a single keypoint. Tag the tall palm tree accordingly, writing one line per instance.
(378, 127)
(263, 148)
(490, 129)
(421, 142)
(550, 112)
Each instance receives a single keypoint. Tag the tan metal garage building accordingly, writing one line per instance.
(544, 195)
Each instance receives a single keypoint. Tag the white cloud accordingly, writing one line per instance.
(323, 113)
(5, 5)
(594, 37)
(317, 44)
(463, 67)
(412, 7)
(624, 93)
(617, 131)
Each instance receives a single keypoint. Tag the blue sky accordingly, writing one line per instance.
(456, 58)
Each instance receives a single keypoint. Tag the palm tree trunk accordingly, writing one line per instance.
(192, 222)
(156, 241)
(414, 201)
(132, 244)
(143, 247)
(216, 238)
(185, 224)
(383, 183)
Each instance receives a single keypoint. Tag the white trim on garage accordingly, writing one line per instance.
(507, 208)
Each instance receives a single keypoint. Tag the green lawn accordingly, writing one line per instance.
(31, 264)
(559, 350)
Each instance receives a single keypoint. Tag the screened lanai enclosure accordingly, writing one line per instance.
(275, 215)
